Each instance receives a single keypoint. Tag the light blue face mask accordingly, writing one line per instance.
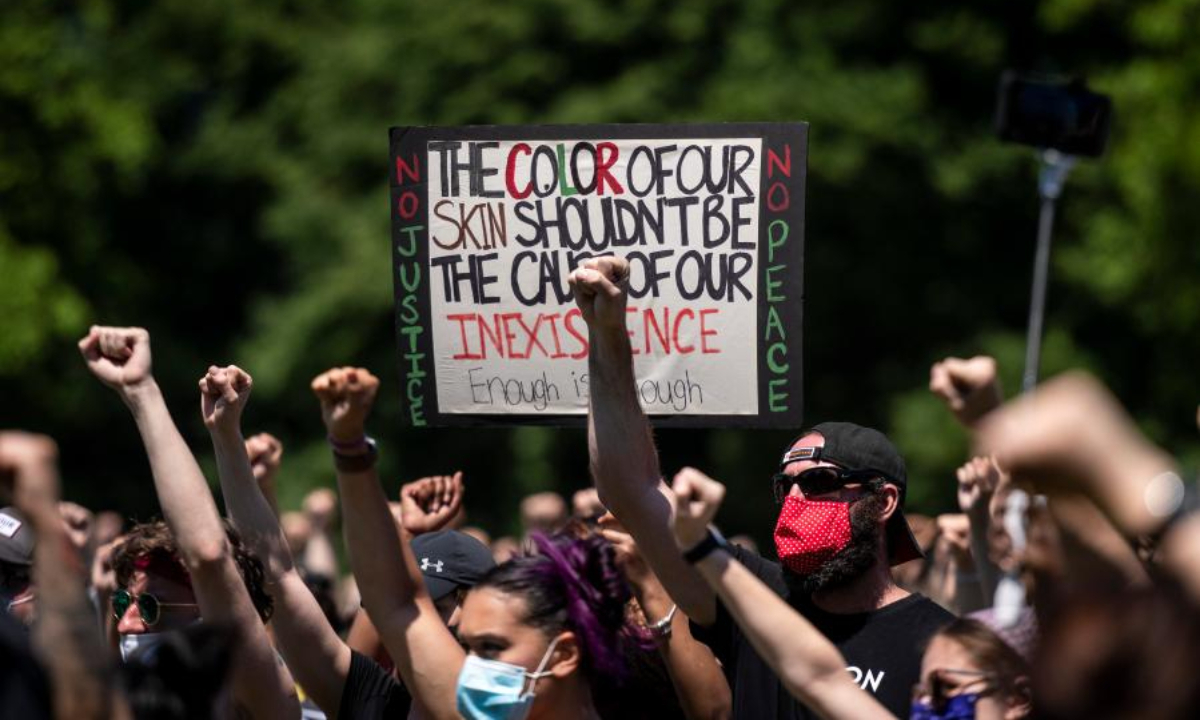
(494, 690)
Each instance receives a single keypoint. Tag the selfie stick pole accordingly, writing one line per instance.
(1055, 168)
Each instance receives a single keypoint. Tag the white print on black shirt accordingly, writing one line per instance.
(868, 678)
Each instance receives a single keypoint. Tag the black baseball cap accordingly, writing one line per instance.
(16, 538)
(449, 560)
(855, 447)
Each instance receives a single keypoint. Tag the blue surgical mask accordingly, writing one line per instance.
(959, 707)
(494, 690)
(143, 646)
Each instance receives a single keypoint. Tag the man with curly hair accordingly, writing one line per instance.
(171, 579)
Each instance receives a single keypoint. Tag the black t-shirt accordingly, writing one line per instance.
(24, 691)
(882, 648)
(371, 692)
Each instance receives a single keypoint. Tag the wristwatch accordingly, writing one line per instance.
(356, 462)
(712, 541)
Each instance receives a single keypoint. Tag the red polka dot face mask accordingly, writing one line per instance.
(810, 532)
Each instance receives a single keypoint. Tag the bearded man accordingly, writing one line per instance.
(839, 488)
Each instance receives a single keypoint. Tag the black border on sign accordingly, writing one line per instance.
(780, 402)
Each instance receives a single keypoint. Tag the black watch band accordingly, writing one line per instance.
(712, 541)
(357, 462)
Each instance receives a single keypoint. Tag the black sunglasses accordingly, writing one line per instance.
(149, 606)
(821, 480)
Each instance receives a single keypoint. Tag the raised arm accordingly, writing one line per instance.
(120, 357)
(312, 649)
(64, 636)
(970, 388)
(977, 482)
(621, 449)
(808, 664)
(1072, 437)
(266, 454)
(699, 682)
(426, 654)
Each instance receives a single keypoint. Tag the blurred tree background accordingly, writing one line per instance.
(217, 172)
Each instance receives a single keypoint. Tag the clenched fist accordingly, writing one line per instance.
(346, 396)
(120, 357)
(30, 463)
(429, 504)
(969, 388)
(266, 455)
(695, 499)
(599, 285)
(224, 393)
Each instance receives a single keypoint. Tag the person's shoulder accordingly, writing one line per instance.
(919, 611)
(769, 571)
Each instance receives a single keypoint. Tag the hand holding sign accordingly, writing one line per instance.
(695, 499)
(599, 286)
(428, 504)
(119, 357)
(346, 395)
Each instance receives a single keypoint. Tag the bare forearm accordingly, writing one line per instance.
(319, 555)
(183, 494)
(699, 683)
(309, 645)
(250, 510)
(374, 546)
(65, 634)
(809, 665)
(989, 574)
(622, 453)
(1181, 554)
(624, 463)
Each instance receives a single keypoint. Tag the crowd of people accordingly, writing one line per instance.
(1066, 587)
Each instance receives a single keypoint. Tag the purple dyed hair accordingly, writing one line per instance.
(574, 584)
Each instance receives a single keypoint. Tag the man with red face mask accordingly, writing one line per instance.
(839, 489)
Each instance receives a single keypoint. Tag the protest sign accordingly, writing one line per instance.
(487, 222)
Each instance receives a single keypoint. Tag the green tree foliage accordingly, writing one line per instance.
(217, 172)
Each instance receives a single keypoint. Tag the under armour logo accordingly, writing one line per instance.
(425, 565)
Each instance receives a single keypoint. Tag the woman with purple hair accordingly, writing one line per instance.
(547, 624)
(537, 632)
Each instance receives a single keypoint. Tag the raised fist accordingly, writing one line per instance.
(120, 357)
(428, 504)
(224, 393)
(977, 481)
(29, 463)
(320, 507)
(629, 558)
(954, 537)
(346, 396)
(266, 454)
(969, 388)
(78, 522)
(599, 285)
(1072, 436)
(695, 499)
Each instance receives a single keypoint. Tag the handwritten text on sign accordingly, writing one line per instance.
(509, 220)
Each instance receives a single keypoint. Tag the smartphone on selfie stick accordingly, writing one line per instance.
(1064, 121)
